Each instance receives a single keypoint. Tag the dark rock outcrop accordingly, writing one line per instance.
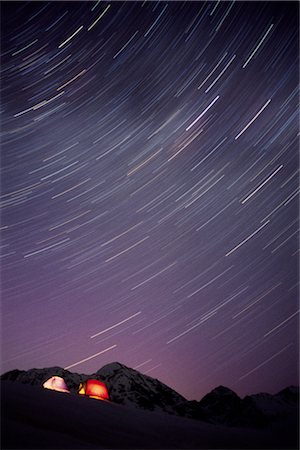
(222, 405)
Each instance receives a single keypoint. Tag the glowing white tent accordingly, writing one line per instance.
(56, 384)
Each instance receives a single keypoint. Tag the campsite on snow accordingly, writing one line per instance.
(118, 407)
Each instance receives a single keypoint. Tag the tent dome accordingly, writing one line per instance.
(56, 384)
(95, 389)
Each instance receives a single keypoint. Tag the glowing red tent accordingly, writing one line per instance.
(94, 389)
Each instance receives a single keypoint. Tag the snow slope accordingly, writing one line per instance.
(33, 417)
(129, 387)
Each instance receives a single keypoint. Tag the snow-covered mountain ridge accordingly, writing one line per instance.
(131, 388)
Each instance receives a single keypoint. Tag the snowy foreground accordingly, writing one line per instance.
(36, 418)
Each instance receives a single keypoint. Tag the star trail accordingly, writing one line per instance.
(149, 190)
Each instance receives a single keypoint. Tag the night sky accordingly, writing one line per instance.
(150, 190)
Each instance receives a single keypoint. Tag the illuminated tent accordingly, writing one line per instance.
(94, 389)
(56, 384)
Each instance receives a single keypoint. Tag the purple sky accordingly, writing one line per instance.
(149, 190)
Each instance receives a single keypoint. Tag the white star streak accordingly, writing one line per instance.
(204, 192)
(70, 81)
(261, 185)
(70, 189)
(58, 171)
(207, 316)
(70, 220)
(247, 239)
(266, 361)
(70, 37)
(281, 323)
(153, 276)
(202, 114)
(220, 74)
(39, 105)
(216, 215)
(252, 120)
(210, 282)
(258, 45)
(213, 70)
(186, 144)
(142, 364)
(152, 368)
(101, 15)
(256, 301)
(287, 239)
(24, 48)
(90, 357)
(46, 248)
(127, 43)
(212, 151)
(135, 169)
(121, 234)
(127, 249)
(116, 325)
(154, 23)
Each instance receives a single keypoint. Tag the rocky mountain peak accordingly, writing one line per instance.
(223, 390)
(112, 367)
